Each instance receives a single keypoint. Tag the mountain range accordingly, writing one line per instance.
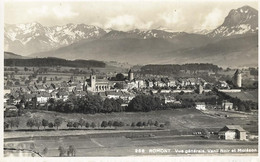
(233, 43)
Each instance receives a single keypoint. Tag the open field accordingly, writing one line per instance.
(122, 146)
(180, 119)
(246, 95)
(125, 140)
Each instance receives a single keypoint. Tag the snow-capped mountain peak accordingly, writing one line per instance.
(34, 37)
(242, 20)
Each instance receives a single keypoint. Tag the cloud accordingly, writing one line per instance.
(124, 22)
(213, 19)
(42, 11)
(64, 12)
(60, 12)
(172, 17)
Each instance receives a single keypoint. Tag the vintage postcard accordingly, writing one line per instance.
(130, 78)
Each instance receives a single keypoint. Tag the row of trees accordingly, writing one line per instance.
(37, 122)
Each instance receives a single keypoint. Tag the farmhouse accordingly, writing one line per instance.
(200, 105)
(227, 105)
(232, 132)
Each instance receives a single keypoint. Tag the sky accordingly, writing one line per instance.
(179, 15)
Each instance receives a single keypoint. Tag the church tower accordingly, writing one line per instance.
(237, 79)
(93, 82)
(130, 75)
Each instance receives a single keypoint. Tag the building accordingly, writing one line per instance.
(200, 89)
(237, 79)
(227, 105)
(200, 105)
(232, 132)
(130, 75)
(96, 85)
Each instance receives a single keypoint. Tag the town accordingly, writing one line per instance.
(31, 92)
(36, 91)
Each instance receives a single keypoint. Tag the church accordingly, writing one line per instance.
(96, 85)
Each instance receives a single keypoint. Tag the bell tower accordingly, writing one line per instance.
(93, 82)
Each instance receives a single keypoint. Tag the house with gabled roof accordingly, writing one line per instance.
(232, 132)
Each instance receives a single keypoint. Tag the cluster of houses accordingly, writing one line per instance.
(107, 89)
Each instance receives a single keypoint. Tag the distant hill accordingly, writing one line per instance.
(238, 51)
(10, 55)
(131, 50)
(51, 61)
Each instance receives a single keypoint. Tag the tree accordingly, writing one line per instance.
(37, 122)
(144, 124)
(161, 125)
(45, 123)
(75, 124)
(45, 151)
(104, 124)
(139, 124)
(6, 125)
(71, 151)
(62, 151)
(110, 123)
(30, 123)
(14, 122)
(156, 124)
(50, 125)
(133, 124)
(181, 93)
(150, 123)
(70, 124)
(120, 77)
(144, 103)
(82, 122)
(93, 125)
(121, 124)
(206, 133)
(119, 86)
(115, 124)
(167, 124)
(57, 122)
(87, 125)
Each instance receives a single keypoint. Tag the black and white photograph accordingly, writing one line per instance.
(130, 78)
